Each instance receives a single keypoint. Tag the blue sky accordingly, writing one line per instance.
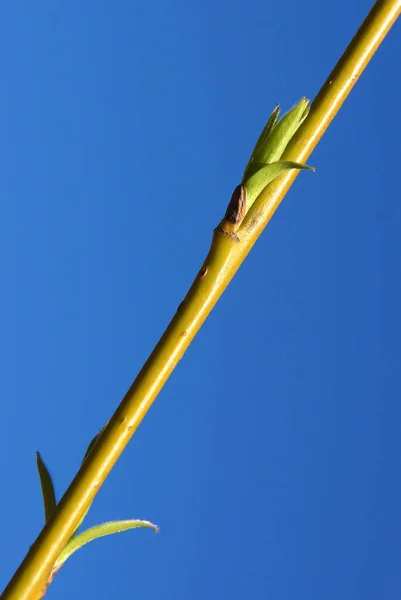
(271, 460)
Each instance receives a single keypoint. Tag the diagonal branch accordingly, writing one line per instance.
(225, 256)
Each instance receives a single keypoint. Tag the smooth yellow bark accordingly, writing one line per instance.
(224, 258)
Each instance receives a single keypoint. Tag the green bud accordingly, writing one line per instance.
(255, 162)
(259, 180)
(275, 137)
(265, 164)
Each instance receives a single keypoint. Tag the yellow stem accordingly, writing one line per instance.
(225, 256)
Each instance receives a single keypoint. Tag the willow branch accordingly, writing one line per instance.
(225, 256)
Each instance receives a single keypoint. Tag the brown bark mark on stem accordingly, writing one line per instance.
(231, 234)
(236, 208)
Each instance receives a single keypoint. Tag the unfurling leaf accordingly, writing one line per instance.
(96, 532)
(275, 137)
(259, 180)
(265, 164)
(49, 497)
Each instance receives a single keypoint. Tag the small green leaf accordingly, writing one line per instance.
(275, 137)
(92, 444)
(49, 497)
(96, 532)
(259, 180)
(258, 150)
(285, 130)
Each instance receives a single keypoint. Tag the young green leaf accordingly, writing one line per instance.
(96, 532)
(92, 444)
(275, 137)
(260, 144)
(49, 497)
(264, 164)
(283, 131)
(259, 180)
